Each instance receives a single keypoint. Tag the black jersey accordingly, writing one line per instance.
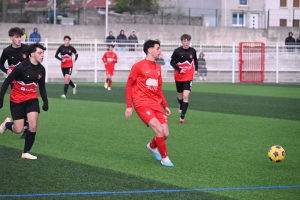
(13, 56)
(184, 59)
(66, 54)
(27, 78)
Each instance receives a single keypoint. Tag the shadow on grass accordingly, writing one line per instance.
(58, 178)
(260, 106)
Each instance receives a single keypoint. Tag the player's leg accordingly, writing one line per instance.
(111, 73)
(67, 81)
(179, 88)
(106, 80)
(71, 83)
(25, 128)
(18, 112)
(33, 110)
(185, 104)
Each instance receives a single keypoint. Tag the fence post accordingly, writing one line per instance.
(277, 62)
(46, 58)
(162, 15)
(233, 61)
(189, 16)
(95, 70)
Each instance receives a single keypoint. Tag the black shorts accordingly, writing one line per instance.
(67, 70)
(20, 110)
(186, 85)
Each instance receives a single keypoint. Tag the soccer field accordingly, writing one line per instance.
(87, 149)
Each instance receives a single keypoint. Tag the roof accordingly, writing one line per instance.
(91, 4)
(38, 4)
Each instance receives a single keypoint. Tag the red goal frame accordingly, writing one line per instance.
(251, 62)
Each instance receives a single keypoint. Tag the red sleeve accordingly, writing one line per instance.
(129, 85)
(104, 58)
(161, 94)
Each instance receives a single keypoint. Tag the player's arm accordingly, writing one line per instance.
(173, 61)
(56, 54)
(162, 96)
(2, 61)
(75, 53)
(104, 59)
(12, 76)
(43, 93)
(195, 60)
(128, 90)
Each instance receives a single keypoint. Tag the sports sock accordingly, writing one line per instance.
(71, 84)
(29, 140)
(8, 125)
(153, 143)
(107, 79)
(161, 145)
(180, 103)
(109, 82)
(185, 106)
(66, 88)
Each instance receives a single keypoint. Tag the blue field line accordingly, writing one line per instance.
(150, 191)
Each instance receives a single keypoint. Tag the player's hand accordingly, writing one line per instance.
(168, 111)
(128, 112)
(63, 60)
(182, 71)
(8, 71)
(45, 107)
(1, 103)
(195, 72)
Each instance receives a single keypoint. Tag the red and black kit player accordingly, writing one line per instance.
(28, 76)
(66, 51)
(14, 54)
(109, 59)
(185, 64)
(144, 89)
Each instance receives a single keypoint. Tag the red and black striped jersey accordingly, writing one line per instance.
(66, 55)
(184, 59)
(13, 56)
(27, 78)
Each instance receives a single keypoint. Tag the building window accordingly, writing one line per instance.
(238, 19)
(296, 4)
(282, 22)
(282, 3)
(244, 2)
(296, 23)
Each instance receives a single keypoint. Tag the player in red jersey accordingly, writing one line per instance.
(66, 51)
(144, 89)
(109, 59)
(185, 64)
(14, 54)
(28, 76)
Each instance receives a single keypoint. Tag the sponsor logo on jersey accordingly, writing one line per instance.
(152, 84)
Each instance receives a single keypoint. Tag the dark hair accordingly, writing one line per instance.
(111, 45)
(15, 31)
(68, 37)
(150, 44)
(32, 48)
(185, 36)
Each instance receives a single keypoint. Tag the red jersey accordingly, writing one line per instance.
(66, 55)
(109, 59)
(144, 85)
(184, 59)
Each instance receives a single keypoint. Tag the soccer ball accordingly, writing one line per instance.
(276, 153)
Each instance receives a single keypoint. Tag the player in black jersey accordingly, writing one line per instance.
(14, 54)
(28, 76)
(66, 51)
(185, 64)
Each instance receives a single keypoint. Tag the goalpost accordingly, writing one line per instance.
(251, 61)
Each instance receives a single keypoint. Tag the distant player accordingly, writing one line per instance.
(109, 59)
(14, 54)
(29, 76)
(185, 64)
(144, 89)
(66, 51)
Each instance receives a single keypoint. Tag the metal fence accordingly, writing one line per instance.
(281, 64)
(241, 17)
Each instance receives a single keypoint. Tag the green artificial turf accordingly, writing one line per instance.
(85, 144)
